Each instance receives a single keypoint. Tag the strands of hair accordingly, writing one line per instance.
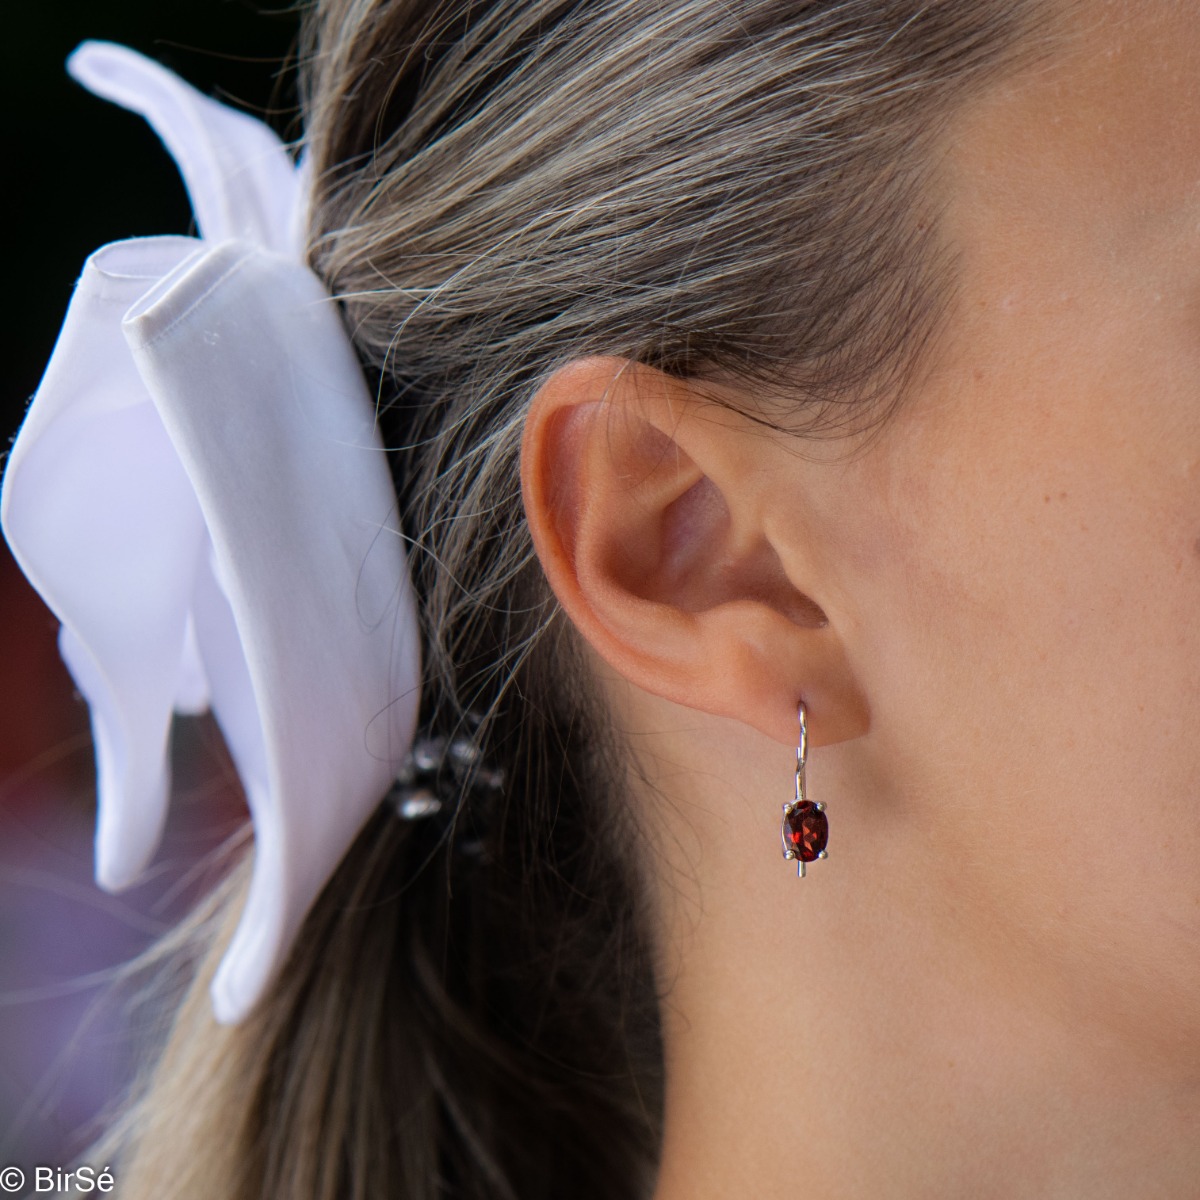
(743, 194)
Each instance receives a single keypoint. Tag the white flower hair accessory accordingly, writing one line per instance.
(200, 494)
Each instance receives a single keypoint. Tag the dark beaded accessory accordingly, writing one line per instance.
(440, 776)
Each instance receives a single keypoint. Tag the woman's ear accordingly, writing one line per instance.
(649, 507)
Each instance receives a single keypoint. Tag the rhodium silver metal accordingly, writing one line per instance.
(801, 796)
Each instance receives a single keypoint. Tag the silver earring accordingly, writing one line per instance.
(805, 825)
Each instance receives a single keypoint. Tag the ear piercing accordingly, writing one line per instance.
(805, 825)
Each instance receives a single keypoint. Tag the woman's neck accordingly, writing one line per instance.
(864, 1032)
(863, 1060)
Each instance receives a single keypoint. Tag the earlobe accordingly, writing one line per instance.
(648, 504)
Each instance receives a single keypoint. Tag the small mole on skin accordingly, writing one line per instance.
(1196, 546)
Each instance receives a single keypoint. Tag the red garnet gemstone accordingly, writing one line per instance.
(807, 831)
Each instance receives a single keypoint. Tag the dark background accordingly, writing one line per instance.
(78, 173)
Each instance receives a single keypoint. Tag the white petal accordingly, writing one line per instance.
(260, 390)
(240, 178)
(104, 522)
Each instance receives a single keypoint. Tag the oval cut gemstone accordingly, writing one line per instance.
(807, 830)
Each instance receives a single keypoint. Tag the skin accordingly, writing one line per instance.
(992, 986)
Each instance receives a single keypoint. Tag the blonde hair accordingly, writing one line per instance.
(734, 192)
